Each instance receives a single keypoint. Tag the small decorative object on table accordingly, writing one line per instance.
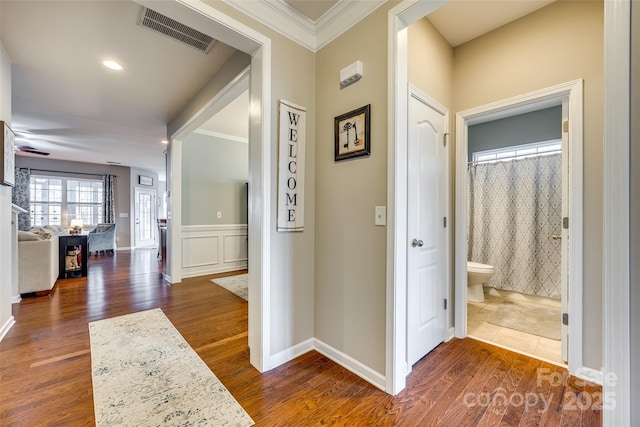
(76, 226)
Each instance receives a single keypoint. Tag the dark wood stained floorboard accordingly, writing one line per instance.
(45, 364)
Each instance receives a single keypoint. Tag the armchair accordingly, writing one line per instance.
(102, 238)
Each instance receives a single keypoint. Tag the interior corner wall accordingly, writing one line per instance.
(430, 69)
(5, 201)
(350, 275)
(635, 213)
(122, 191)
(556, 44)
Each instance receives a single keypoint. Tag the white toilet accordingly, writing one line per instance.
(477, 274)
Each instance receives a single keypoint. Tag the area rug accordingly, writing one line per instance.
(146, 374)
(540, 321)
(238, 284)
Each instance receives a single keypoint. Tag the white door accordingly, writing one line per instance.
(145, 220)
(426, 269)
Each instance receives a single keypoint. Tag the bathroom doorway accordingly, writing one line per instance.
(531, 278)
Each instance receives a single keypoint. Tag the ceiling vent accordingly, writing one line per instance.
(166, 26)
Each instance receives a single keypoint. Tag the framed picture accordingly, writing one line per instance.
(145, 180)
(8, 156)
(352, 131)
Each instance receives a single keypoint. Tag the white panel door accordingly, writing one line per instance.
(426, 275)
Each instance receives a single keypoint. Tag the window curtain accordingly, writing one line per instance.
(20, 196)
(514, 209)
(108, 199)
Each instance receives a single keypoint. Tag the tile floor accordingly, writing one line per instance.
(533, 345)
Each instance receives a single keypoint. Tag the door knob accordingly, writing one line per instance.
(416, 242)
(556, 237)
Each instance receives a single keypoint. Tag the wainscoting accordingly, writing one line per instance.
(209, 249)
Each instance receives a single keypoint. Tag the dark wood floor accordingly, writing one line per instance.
(45, 364)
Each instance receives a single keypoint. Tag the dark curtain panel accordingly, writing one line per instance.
(108, 199)
(20, 197)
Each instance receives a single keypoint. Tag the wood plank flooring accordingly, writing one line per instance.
(45, 364)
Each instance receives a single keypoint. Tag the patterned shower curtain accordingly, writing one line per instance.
(514, 209)
(108, 199)
(20, 196)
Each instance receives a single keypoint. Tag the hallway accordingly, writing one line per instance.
(45, 365)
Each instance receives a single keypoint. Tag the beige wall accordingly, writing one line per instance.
(292, 254)
(559, 43)
(350, 249)
(430, 66)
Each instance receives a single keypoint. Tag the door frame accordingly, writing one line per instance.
(136, 209)
(258, 46)
(555, 95)
(399, 18)
(420, 96)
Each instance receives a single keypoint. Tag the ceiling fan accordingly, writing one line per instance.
(26, 136)
(32, 150)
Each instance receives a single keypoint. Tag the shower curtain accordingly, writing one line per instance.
(514, 209)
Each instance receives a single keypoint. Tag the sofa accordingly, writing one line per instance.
(102, 238)
(38, 260)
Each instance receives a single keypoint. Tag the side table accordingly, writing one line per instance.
(74, 255)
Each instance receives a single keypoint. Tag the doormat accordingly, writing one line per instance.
(541, 321)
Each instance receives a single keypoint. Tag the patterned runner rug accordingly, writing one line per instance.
(237, 284)
(146, 374)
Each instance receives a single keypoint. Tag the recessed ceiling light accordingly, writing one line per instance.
(112, 65)
(164, 141)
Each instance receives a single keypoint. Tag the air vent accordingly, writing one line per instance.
(166, 26)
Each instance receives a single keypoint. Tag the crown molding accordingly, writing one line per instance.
(313, 35)
(342, 16)
(281, 18)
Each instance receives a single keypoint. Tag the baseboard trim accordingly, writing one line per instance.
(589, 374)
(15, 299)
(7, 325)
(342, 359)
(351, 364)
(452, 333)
(290, 353)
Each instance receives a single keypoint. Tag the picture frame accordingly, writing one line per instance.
(145, 180)
(8, 156)
(352, 134)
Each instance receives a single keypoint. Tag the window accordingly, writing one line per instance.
(57, 201)
(518, 151)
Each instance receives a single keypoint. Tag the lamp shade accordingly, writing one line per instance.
(76, 223)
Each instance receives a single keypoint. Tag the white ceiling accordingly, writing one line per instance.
(66, 103)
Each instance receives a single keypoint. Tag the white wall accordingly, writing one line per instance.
(6, 318)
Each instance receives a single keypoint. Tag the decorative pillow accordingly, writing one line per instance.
(42, 232)
(53, 228)
(102, 228)
(25, 236)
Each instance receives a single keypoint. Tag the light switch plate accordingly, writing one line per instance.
(381, 215)
(219, 214)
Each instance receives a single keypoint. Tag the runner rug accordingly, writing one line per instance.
(146, 374)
